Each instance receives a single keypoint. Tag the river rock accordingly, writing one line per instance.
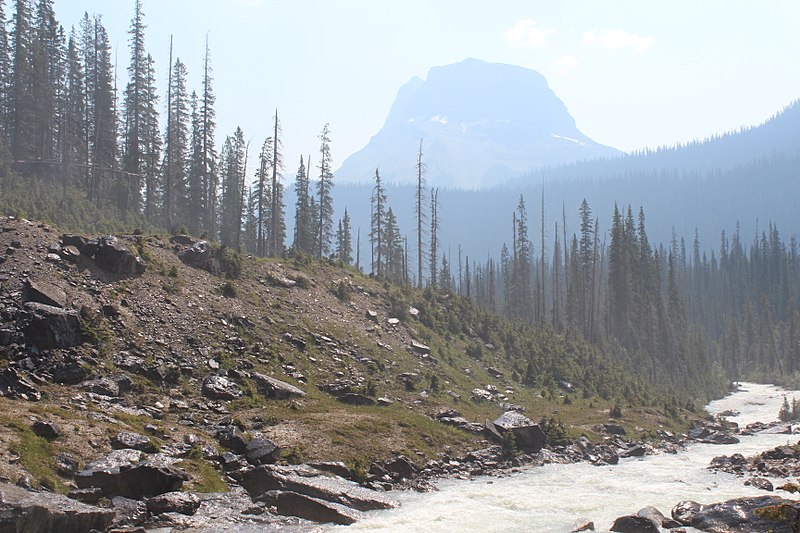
(685, 511)
(658, 517)
(291, 503)
(634, 524)
(760, 483)
(310, 482)
(44, 512)
(747, 515)
(400, 467)
(529, 436)
(122, 474)
(582, 525)
(174, 502)
(275, 388)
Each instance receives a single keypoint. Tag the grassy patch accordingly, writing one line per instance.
(36, 455)
(205, 478)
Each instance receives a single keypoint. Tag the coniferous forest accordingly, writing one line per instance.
(80, 152)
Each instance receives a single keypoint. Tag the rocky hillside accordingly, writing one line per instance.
(149, 361)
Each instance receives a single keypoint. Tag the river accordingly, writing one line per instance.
(552, 498)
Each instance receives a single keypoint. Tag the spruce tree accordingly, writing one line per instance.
(377, 230)
(277, 227)
(344, 244)
(324, 195)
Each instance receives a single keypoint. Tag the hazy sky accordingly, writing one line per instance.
(633, 73)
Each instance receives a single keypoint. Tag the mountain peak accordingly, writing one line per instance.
(481, 123)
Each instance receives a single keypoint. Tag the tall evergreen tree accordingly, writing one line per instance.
(324, 194)
(419, 208)
(5, 80)
(74, 149)
(304, 217)
(277, 227)
(176, 150)
(377, 230)
(208, 159)
(233, 168)
(22, 96)
(434, 235)
(344, 243)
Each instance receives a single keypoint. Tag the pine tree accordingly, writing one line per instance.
(378, 225)
(141, 141)
(47, 82)
(208, 156)
(344, 243)
(262, 200)
(5, 81)
(392, 244)
(22, 97)
(197, 188)
(304, 218)
(74, 149)
(324, 190)
(434, 234)
(419, 208)
(277, 227)
(233, 167)
(176, 150)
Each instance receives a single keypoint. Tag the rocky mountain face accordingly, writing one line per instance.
(480, 124)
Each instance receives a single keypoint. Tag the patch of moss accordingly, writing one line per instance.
(205, 478)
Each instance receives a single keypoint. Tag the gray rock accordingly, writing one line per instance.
(685, 511)
(200, 255)
(760, 483)
(614, 429)
(315, 509)
(221, 388)
(529, 436)
(582, 525)
(275, 388)
(337, 468)
(46, 429)
(133, 441)
(121, 474)
(43, 512)
(305, 480)
(352, 398)
(102, 386)
(174, 502)
(90, 496)
(47, 327)
(420, 348)
(658, 517)
(634, 524)
(66, 465)
(401, 467)
(116, 258)
(232, 438)
(262, 451)
(740, 516)
(43, 293)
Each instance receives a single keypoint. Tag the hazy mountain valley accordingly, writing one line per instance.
(197, 334)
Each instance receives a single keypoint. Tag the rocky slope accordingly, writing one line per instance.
(162, 375)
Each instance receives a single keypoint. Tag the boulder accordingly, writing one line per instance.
(529, 436)
(261, 451)
(90, 495)
(46, 429)
(760, 483)
(116, 258)
(685, 511)
(275, 388)
(133, 441)
(122, 474)
(336, 468)
(352, 398)
(420, 348)
(745, 515)
(311, 482)
(582, 525)
(44, 512)
(232, 438)
(201, 255)
(658, 517)
(291, 503)
(613, 429)
(400, 467)
(43, 293)
(220, 388)
(47, 327)
(174, 502)
(634, 524)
